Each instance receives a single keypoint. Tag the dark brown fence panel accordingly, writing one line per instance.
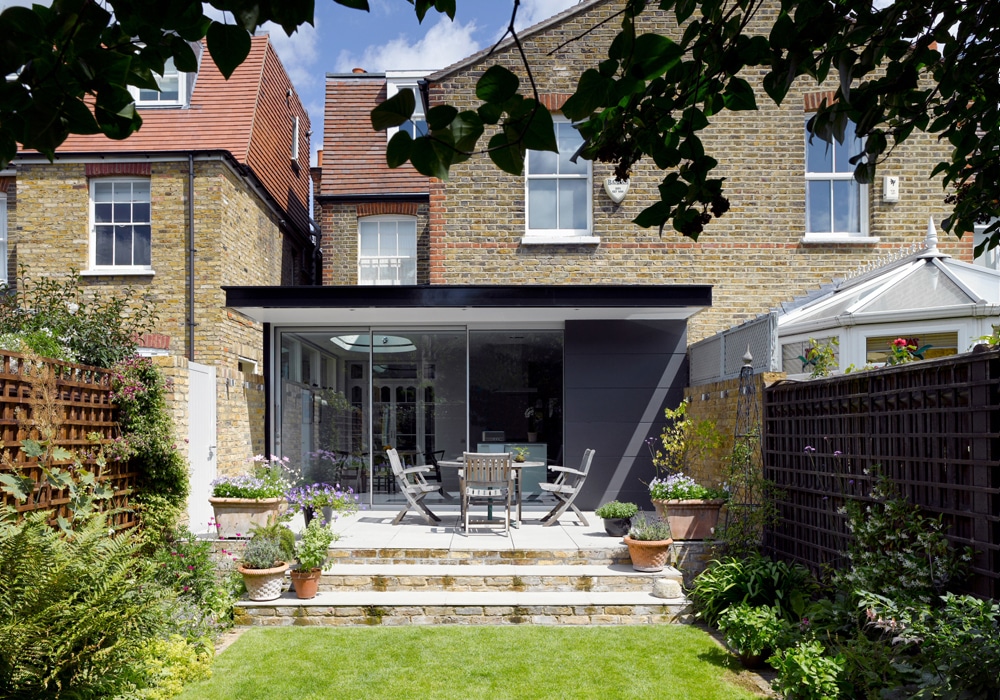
(78, 399)
(933, 427)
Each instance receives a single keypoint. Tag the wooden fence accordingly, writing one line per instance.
(932, 427)
(76, 401)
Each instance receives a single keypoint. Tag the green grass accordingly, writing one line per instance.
(310, 663)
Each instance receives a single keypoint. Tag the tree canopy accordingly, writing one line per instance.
(902, 67)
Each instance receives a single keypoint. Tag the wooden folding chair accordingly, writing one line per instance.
(566, 487)
(486, 477)
(413, 486)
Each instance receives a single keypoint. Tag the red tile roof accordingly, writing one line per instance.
(354, 154)
(249, 115)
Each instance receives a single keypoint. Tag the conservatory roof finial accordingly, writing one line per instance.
(931, 242)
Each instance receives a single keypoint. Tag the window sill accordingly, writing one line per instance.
(118, 272)
(544, 239)
(839, 240)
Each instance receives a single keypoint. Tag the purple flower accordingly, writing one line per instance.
(810, 448)
(837, 453)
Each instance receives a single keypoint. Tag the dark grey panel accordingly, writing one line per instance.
(618, 338)
(614, 405)
(595, 370)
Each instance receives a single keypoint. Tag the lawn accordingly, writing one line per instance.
(313, 663)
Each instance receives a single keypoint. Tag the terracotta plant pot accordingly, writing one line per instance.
(306, 582)
(690, 520)
(648, 555)
(235, 517)
(264, 584)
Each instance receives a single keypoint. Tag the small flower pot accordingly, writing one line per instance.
(264, 584)
(617, 527)
(306, 582)
(648, 555)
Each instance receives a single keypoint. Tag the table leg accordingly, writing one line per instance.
(517, 521)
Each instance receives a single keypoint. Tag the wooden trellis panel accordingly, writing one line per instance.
(79, 398)
(933, 427)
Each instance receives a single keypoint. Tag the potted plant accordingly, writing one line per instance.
(648, 542)
(520, 454)
(312, 552)
(752, 632)
(251, 499)
(692, 510)
(265, 560)
(617, 517)
(332, 501)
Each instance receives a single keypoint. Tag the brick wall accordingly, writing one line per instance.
(754, 256)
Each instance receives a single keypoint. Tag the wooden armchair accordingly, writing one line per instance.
(486, 477)
(566, 487)
(413, 486)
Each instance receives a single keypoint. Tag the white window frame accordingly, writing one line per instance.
(396, 82)
(116, 269)
(991, 258)
(559, 234)
(295, 139)
(834, 236)
(183, 91)
(394, 261)
(3, 238)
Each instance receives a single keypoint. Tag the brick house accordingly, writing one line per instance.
(555, 315)
(213, 190)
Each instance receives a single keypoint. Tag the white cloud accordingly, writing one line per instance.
(298, 52)
(443, 44)
(534, 11)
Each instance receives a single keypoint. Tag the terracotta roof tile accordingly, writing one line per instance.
(354, 154)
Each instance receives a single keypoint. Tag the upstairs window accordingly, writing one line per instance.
(387, 250)
(175, 89)
(120, 224)
(558, 190)
(395, 83)
(836, 204)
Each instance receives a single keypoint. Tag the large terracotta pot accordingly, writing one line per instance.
(264, 584)
(690, 520)
(306, 582)
(235, 517)
(648, 555)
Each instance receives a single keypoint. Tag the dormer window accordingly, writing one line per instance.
(175, 87)
(398, 81)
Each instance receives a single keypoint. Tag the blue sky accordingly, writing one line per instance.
(390, 38)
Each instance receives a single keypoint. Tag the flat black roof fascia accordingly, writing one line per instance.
(461, 296)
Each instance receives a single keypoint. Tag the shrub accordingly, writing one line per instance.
(312, 550)
(42, 342)
(617, 510)
(751, 630)
(806, 673)
(261, 553)
(140, 390)
(647, 529)
(755, 580)
(97, 329)
(167, 665)
(76, 609)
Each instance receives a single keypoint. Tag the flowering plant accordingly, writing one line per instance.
(312, 549)
(318, 496)
(903, 350)
(268, 478)
(683, 488)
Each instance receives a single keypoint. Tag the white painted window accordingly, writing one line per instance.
(558, 192)
(387, 250)
(120, 224)
(3, 238)
(295, 139)
(990, 258)
(836, 204)
(396, 82)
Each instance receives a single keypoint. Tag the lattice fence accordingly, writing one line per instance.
(77, 400)
(720, 356)
(934, 429)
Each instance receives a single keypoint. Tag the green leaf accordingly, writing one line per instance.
(490, 113)
(441, 116)
(508, 158)
(540, 133)
(394, 111)
(32, 448)
(398, 150)
(683, 9)
(656, 54)
(61, 453)
(591, 94)
(466, 129)
(739, 95)
(497, 85)
(229, 45)
(654, 215)
(354, 4)
(427, 160)
(17, 486)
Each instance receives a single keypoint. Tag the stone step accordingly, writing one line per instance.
(492, 578)
(482, 556)
(344, 608)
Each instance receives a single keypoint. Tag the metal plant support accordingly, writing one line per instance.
(743, 524)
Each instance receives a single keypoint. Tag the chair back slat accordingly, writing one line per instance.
(487, 468)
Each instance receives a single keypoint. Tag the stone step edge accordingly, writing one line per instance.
(478, 599)
(344, 569)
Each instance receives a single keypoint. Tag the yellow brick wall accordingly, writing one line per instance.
(754, 256)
